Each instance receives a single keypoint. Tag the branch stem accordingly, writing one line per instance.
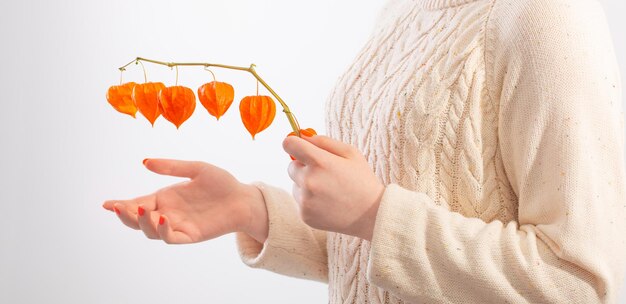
(292, 119)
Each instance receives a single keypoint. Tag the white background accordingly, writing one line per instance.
(64, 150)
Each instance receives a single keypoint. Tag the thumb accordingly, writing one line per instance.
(174, 167)
(333, 146)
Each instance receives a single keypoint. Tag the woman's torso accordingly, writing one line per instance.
(415, 103)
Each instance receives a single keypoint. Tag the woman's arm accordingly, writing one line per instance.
(551, 68)
(292, 248)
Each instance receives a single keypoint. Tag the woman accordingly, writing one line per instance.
(474, 155)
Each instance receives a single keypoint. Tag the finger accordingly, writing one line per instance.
(296, 192)
(303, 150)
(108, 205)
(148, 201)
(298, 195)
(147, 220)
(126, 216)
(170, 236)
(333, 146)
(296, 171)
(174, 167)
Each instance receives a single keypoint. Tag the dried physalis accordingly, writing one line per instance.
(146, 99)
(216, 97)
(119, 97)
(176, 104)
(306, 132)
(257, 113)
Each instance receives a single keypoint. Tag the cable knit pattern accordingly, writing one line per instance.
(417, 129)
(473, 113)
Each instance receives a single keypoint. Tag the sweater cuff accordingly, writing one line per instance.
(291, 247)
(399, 210)
(255, 254)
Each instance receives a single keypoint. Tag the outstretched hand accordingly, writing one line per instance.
(210, 204)
(334, 186)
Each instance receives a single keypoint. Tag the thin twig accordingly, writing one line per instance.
(292, 119)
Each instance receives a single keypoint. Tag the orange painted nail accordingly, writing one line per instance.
(116, 210)
(161, 220)
(144, 161)
(140, 210)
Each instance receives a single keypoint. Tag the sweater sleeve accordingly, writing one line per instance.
(551, 66)
(292, 247)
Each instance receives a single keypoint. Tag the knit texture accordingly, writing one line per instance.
(497, 128)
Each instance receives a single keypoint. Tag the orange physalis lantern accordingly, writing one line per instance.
(177, 103)
(146, 99)
(216, 97)
(306, 132)
(257, 113)
(120, 98)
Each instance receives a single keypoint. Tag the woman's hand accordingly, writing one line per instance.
(211, 204)
(334, 185)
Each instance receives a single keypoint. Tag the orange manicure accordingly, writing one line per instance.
(117, 210)
(161, 220)
(140, 210)
(144, 161)
(308, 132)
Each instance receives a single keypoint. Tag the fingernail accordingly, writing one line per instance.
(291, 157)
(161, 220)
(116, 210)
(140, 210)
(144, 161)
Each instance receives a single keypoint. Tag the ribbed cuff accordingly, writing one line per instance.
(398, 215)
(291, 247)
(255, 254)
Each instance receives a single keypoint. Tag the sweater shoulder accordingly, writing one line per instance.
(542, 37)
(537, 23)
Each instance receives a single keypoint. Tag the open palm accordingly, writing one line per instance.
(210, 204)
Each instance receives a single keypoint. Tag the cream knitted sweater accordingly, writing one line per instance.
(496, 126)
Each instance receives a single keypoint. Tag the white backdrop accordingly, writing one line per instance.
(64, 150)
